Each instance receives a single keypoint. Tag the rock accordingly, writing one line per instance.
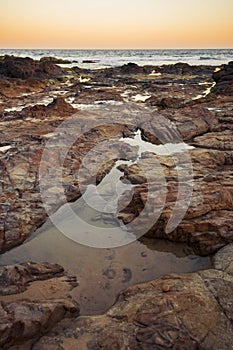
(54, 60)
(207, 224)
(90, 96)
(224, 80)
(222, 260)
(24, 68)
(166, 102)
(20, 76)
(90, 61)
(16, 278)
(221, 140)
(27, 320)
(193, 314)
(59, 107)
(131, 68)
(33, 298)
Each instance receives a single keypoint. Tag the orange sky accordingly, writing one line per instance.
(116, 24)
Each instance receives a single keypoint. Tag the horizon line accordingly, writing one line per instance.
(118, 49)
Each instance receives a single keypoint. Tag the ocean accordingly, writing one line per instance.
(113, 58)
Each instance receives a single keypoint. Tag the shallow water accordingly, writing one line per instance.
(104, 272)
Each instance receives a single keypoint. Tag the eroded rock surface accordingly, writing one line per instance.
(203, 122)
(177, 311)
(207, 224)
(190, 311)
(33, 298)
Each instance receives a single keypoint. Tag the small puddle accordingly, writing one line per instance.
(104, 272)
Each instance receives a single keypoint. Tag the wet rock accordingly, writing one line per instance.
(54, 60)
(207, 224)
(24, 68)
(33, 298)
(131, 68)
(59, 107)
(224, 80)
(189, 311)
(181, 68)
(166, 102)
(16, 278)
(20, 76)
(90, 96)
(27, 320)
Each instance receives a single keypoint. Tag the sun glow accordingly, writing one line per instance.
(116, 24)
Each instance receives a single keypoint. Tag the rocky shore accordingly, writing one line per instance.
(190, 311)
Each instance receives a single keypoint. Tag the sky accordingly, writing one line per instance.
(119, 24)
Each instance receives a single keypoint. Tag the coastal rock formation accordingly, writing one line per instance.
(207, 224)
(22, 210)
(25, 68)
(224, 80)
(33, 298)
(90, 96)
(24, 75)
(25, 320)
(16, 278)
(190, 311)
(58, 107)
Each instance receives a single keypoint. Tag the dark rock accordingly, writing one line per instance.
(54, 60)
(166, 102)
(224, 80)
(132, 68)
(90, 61)
(24, 68)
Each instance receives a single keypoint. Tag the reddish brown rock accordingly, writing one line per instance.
(16, 278)
(207, 224)
(89, 96)
(166, 102)
(59, 107)
(196, 313)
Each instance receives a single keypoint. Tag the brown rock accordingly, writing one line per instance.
(195, 314)
(59, 107)
(16, 278)
(27, 320)
(207, 224)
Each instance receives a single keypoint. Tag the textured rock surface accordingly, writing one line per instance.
(177, 311)
(16, 278)
(207, 224)
(224, 80)
(26, 320)
(205, 123)
(33, 298)
(192, 311)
